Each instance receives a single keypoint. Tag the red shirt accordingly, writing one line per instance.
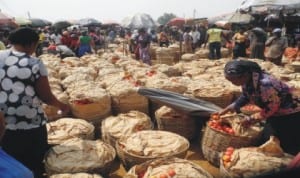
(66, 40)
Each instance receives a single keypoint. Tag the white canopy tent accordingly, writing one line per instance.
(270, 6)
(140, 20)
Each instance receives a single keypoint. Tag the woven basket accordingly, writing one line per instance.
(227, 173)
(80, 175)
(176, 122)
(214, 142)
(53, 128)
(105, 170)
(140, 169)
(102, 170)
(107, 137)
(92, 111)
(223, 100)
(129, 159)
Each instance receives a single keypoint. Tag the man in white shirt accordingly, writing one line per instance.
(196, 37)
(56, 37)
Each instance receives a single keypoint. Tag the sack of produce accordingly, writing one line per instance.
(189, 57)
(90, 102)
(147, 145)
(114, 127)
(254, 161)
(167, 168)
(125, 98)
(77, 155)
(68, 128)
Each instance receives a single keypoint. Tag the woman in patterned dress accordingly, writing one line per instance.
(280, 106)
(24, 86)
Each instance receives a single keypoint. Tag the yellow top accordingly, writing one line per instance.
(214, 35)
(41, 37)
(2, 46)
(239, 38)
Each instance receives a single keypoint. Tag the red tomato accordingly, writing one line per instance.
(230, 131)
(141, 175)
(228, 153)
(171, 172)
(230, 149)
(218, 127)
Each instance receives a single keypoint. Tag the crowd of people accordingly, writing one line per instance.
(243, 42)
(25, 137)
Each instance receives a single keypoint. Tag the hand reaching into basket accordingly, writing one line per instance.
(229, 108)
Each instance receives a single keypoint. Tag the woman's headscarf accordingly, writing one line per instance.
(240, 67)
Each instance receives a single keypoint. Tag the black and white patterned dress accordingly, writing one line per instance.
(18, 99)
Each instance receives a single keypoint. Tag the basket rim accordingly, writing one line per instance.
(153, 157)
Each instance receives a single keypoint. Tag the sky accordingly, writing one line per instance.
(117, 10)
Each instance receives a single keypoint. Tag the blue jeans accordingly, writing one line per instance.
(214, 50)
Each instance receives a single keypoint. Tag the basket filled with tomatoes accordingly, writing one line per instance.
(167, 168)
(90, 104)
(225, 131)
(254, 161)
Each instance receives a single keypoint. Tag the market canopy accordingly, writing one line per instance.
(179, 22)
(140, 20)
(222, 17)
(7, 22)
(22, 21)
(270, 6)
(240, 18)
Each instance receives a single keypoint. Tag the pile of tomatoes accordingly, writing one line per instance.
(226, 158)
(216, 123)
(250, 109)
(130, 78)
(151, 73)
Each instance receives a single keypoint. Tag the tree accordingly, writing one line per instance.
(165, 18)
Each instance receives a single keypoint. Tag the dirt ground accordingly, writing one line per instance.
(194, 154)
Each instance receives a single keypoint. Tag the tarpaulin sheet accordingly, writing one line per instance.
(190, 106)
